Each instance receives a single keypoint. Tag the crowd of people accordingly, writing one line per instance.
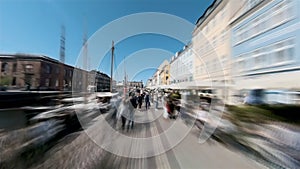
(136, 99)
(130, 103)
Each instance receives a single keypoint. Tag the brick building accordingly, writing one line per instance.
(39, 72)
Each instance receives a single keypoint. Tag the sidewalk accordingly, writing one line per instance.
(159, 152)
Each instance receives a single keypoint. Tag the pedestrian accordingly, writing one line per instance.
(123, 112)
(131, 108)
(140, 101)
(156, 100)
(147, 101)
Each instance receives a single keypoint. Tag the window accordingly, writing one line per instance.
(4, 67)
(29, 68)
(48, 68)
(15, 67)
(214, 42)
(222, 14)
(277, 53)
(224, 60)
(223, 33)
(257, 61)
(275, 16)
(14, 81)
(241, 65)
(207, 28)
(263, 60)
(215, 62)
(56, 83)
(290, 53)
(213, 22)
(47, 82)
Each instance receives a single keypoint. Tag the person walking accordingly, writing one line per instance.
(140, 101)
(123, 112)
(147, 101)
(131, 108)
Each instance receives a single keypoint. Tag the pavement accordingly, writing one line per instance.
(153, 142)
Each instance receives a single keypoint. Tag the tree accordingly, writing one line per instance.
(5, 81)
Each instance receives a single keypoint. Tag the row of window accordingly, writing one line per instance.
(249, 4)
(276, 54)
(216, 40)
(274, 17)
(211, 66)
(5, 67)
(180, 68)
(185, 79)
(48, 70)
(219, 17)
(48, 83)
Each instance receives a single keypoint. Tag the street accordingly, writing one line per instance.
(162, 143)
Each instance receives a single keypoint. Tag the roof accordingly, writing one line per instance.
(247, 12)
(29, 56)
(39, 57)
(185, 48)
(207, 12)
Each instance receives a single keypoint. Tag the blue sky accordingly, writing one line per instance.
(33, 26)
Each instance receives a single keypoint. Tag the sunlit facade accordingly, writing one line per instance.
(163, 73)
(181, 67)
(265, 43)
(211, 44)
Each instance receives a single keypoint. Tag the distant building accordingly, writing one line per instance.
(39, 72)
(137, 84)
(182, 67)
(164, 73)
(155, 79)
(101, 81)
(149, 83)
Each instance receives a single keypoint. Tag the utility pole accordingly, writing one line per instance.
(85, 72)
(112, 65)
(62, 58)
(62, 45)
(125, 79)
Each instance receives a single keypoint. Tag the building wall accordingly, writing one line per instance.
(133, 84)
(21, 72)
(211, 43)
(163, 73)
(102, 82)
(265, 44)
(43, 73)
(182, 67)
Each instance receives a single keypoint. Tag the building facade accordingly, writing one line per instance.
(100, 80)
(164, 73)
(182, 67)
(265, 42)
(135, 84)
(39, 72)
(211, 44)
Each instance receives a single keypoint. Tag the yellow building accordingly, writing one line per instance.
(211, 46)
(164, 77)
